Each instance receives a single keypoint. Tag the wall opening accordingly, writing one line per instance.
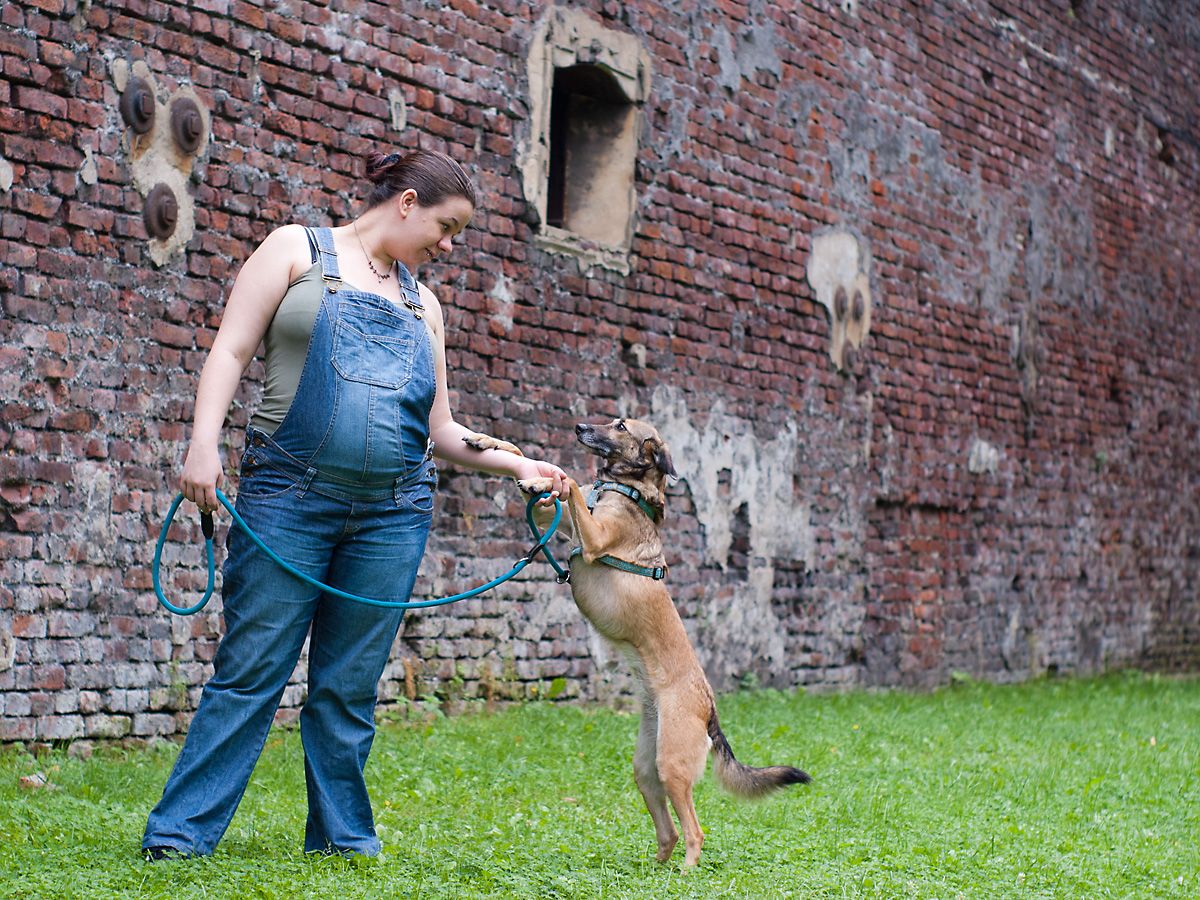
(592, 154)
(587, 84)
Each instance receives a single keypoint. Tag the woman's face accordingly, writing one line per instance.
(429, 231)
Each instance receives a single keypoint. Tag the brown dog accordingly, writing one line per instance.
(616, 578)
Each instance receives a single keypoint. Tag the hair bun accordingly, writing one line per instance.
(379, 164)
(433, 176)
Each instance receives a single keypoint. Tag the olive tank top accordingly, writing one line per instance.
(286, 346)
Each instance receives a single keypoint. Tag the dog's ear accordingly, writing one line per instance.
(662, 459)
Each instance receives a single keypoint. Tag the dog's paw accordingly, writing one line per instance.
(487, 442)
(536, 485)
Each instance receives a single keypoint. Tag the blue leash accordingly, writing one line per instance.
(206, 524)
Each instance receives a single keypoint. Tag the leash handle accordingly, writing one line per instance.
(208, 547)
(206, 525)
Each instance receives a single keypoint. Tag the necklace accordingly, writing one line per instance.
(386, 275)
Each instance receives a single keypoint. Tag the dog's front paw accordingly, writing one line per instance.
(487, 442)
(536, 485)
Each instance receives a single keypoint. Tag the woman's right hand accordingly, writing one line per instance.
(201, 476)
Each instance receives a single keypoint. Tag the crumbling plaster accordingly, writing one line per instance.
(760, 473)
(725, 466)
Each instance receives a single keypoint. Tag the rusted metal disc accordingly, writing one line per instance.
(137, 106)
(187, 125)
(161, 212)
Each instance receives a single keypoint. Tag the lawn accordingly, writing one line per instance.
(1057, 788)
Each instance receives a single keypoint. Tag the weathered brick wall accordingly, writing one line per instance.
(1001, 481)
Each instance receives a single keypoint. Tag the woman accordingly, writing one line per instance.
(338, 478)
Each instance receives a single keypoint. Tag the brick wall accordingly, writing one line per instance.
(1002, 481)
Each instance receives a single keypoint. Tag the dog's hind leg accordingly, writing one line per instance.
(645, 772)
(682, 755)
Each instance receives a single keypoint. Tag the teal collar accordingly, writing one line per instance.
(632, 493)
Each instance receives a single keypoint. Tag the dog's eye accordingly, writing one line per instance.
(621, 426)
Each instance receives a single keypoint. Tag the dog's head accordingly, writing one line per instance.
(628, 447)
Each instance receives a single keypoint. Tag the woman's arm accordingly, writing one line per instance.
(448, 434)
(257, 292)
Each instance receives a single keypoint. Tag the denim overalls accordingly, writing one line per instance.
(342, 490)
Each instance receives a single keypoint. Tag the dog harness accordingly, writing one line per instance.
(658, 573)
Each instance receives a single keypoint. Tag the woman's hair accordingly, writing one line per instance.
(434, 176)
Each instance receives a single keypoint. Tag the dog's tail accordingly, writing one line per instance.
(747, 781)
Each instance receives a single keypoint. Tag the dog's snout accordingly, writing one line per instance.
(582, 428)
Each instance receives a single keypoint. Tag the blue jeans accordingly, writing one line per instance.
(366, 543)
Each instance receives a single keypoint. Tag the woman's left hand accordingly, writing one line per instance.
(536, 468)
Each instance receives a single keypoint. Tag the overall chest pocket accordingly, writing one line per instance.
(373, 345)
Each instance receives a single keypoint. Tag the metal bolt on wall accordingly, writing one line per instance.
(137, 106)
(161, 213)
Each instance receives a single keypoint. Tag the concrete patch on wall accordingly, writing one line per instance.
(95, 539)
(983, 458)
(158, 163)
(1019, 643)
(762, 475)
(8, 645)
(88, 172)
(501, 303)
(397, 109)
(752, 47)
(839, 272)
(727, 469)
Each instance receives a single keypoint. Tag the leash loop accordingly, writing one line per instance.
(541, 539)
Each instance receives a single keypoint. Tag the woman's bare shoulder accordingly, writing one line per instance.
(430, 301)
(288, 246)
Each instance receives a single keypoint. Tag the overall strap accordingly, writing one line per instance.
(408, 289)
(329, 263)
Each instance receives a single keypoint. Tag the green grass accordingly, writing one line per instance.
(1058, 788)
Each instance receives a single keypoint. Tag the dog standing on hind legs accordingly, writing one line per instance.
(617, 582)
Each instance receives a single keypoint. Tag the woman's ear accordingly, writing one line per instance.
(406, 202)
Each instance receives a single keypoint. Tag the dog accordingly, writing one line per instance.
(617, 579)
